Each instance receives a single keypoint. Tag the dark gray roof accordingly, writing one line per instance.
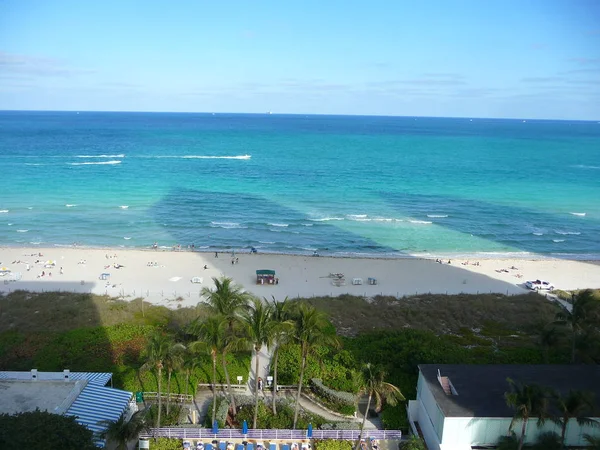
(481, 388)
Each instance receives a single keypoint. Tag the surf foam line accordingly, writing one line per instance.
(242, 157)
(120, 155)
(100, 163)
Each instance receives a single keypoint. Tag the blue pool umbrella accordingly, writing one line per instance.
(245, 428)
(215, 428)
(309, 431)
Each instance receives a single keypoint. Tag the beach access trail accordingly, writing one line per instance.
(165, 277)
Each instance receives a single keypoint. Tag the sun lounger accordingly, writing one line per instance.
(208, 447)
(285, 447)
(272, 446)
(239, 447)
(249, 446)
(222, 445)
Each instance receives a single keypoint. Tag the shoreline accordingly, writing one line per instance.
(483, 255)
(169, 275)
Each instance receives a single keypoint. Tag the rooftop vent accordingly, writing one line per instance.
(446, 384)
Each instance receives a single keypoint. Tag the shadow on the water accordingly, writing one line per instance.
(514, 228)
(228, 217)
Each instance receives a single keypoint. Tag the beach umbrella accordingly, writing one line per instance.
(309, 431)
(215, 428)
(245, 428)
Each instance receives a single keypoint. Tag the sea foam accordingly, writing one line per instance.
(577, 214)
(4, 210)
(435, 216)
(101, 163)
(101, 156)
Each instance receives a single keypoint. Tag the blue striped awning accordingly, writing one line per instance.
(97, 378)
(97, 403)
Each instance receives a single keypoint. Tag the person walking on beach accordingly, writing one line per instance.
(216, 254)
(61, 271)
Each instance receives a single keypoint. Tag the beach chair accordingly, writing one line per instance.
(208, 446)
(285, 447)
(272, 446)
(249, 446)
(239, 447)
(222, 445)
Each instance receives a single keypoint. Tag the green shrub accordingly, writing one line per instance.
(395, 418)
(342, 402)
(330, 444)
(413, 443)
(165, 419)
(165, 444)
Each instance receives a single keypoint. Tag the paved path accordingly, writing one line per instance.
(264, 362)
(560, 301)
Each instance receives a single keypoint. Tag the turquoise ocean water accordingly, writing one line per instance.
(392, 186)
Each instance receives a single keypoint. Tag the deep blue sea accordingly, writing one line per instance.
(341, 185)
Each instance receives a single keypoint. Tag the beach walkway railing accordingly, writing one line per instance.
(268, 434)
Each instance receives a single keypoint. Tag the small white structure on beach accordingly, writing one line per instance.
(462, 406)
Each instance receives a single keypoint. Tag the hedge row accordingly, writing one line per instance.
(342, 402)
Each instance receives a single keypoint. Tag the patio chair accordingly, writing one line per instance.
(249, 446)
(272, 446)
(222, 445)
(285, 447)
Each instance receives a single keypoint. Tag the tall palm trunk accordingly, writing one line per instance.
(563, 432)
(187, 381)
(214, 387)
(573, 347)
(362, 426)
(276, 352)
(256, 366)
(522, 438)
(302, 367)
(229, 390)
(169, 372)
(159, 396)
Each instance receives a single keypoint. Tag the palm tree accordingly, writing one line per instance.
(228, 300)
(259, 330)
(575, 405)
(190, 362)
(309, 332)
(156, 351)
(593, 441)
(211, 333)
(123, 431)
(283, 333)
(550, 337)
(528, 401)
(585, 312)
(374, 386)
(173, 361)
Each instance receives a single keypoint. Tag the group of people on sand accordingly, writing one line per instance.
(439, 261)
(467, 263)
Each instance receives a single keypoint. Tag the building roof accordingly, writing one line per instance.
(95, 404)
(481, 388)
(97, 378)
(27, 395)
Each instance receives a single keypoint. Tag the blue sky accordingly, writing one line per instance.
(469, 58)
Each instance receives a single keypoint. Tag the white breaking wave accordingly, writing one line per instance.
(215, 157)
(34, 164)
(266, 242)
(279, 224)
(4, 210)
(242, 157)
(424, 222)
(121, 155)
(101, 163)
(575, 233)
(70, 206)
(307, 224)
(435, 216)
(356, 216)
(30, 207)
(558, 240)
(123, 206)
(538, 234)
(578, 214)
(22, 231)
(126, 238)
(227, 225)
(326, 219)
(583, 166)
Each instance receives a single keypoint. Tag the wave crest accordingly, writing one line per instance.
(100, 163)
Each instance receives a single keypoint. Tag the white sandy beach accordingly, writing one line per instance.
(302, 276)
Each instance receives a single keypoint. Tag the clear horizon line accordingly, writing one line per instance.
(270, 113)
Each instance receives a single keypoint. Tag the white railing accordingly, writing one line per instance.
(181, 398)
(260, 435)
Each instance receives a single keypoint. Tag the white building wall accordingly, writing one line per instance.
(463, 432)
